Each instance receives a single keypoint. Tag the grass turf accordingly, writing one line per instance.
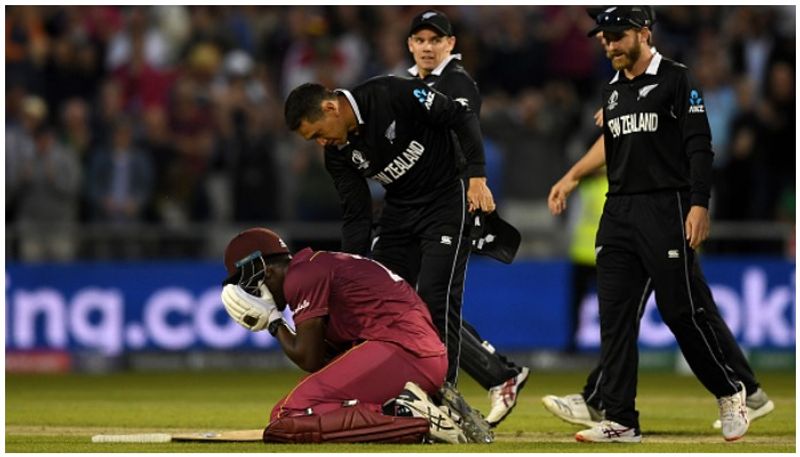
(59, 413)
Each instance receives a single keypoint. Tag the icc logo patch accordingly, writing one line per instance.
(359, 160)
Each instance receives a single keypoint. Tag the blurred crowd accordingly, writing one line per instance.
(172, 115)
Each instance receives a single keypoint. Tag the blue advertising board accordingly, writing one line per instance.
(116, 307)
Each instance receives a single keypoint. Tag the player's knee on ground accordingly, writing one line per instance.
(355, 424)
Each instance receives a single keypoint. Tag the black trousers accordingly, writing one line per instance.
(425, 244)
(736, 358)
(641, 247)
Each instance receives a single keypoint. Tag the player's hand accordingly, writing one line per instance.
(598, 117)
(479, 197)
(557, 200)
(698, 224)
(252, 313)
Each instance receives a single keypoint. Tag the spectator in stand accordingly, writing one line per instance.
(49, 184)
(120, 178)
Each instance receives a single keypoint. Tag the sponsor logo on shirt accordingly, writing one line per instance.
(644, 91)
(425, 97)
(447, 240)
(633, 123)
(463, 101)
(303, 305)
(401, 164)
(673, 254)
(696, 104)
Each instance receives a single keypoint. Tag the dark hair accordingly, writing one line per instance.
(304, 103)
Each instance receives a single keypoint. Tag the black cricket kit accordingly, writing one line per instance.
(477, 357)
(404, 142)
(658, 155)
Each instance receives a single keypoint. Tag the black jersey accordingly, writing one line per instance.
(656, 133)
(451, 79)
(404, 142)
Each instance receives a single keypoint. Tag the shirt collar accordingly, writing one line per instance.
(352, 102)
(438, 70)
(652, 69)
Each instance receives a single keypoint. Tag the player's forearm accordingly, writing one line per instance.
(592, 161)
(306, 358)
(700, 177)
(471, 141)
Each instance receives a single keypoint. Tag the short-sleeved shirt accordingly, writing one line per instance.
(362, 299)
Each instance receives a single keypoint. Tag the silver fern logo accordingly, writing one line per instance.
(390, 132)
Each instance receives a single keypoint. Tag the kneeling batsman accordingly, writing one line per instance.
(362, 333)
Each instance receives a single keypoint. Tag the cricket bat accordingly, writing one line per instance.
(227, 436)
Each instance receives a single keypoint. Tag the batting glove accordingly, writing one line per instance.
(253, 313)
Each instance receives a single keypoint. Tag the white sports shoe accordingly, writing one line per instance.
(573, 409)
(733, 415)
(504, 397)
(758, 406)
(413, 401)
(609, 432)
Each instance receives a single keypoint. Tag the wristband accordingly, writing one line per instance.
(273, 326)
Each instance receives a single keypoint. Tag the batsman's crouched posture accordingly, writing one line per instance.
(341, 301)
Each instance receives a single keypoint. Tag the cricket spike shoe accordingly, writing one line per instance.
(414, 402)
(733, 414)
(758, 406)
(609, 432)
(573, 409)
(473, 423)
(504, 397)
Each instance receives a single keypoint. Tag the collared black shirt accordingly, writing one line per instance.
(451, 79)
(404, 142)
(656, 133)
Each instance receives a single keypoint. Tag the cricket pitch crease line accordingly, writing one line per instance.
(226, 436)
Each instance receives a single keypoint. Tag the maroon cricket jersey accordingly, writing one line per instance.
(363, 301)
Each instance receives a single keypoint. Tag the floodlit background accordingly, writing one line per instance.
(139, 140)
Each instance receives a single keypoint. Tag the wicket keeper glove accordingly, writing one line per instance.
(251, 312)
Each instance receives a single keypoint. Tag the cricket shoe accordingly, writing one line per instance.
(758, 406)
(413, 401)
(504, 397)
(573, 409)
(733, 415)
(609, 432)
(473, 423)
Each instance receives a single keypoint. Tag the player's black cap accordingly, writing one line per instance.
(622, 18)
(431, 19)
(492, 236)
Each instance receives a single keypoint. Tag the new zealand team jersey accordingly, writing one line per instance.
(656, 133)
(451, 79)
(404, 142)
(362, 299)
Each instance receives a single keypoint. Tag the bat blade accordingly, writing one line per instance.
(225, 436)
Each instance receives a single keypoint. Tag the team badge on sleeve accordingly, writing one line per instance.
(696, 104)
(425, 97)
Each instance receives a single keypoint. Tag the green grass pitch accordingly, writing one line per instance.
(59, 413)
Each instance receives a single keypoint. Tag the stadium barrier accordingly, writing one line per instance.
(116, 308)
